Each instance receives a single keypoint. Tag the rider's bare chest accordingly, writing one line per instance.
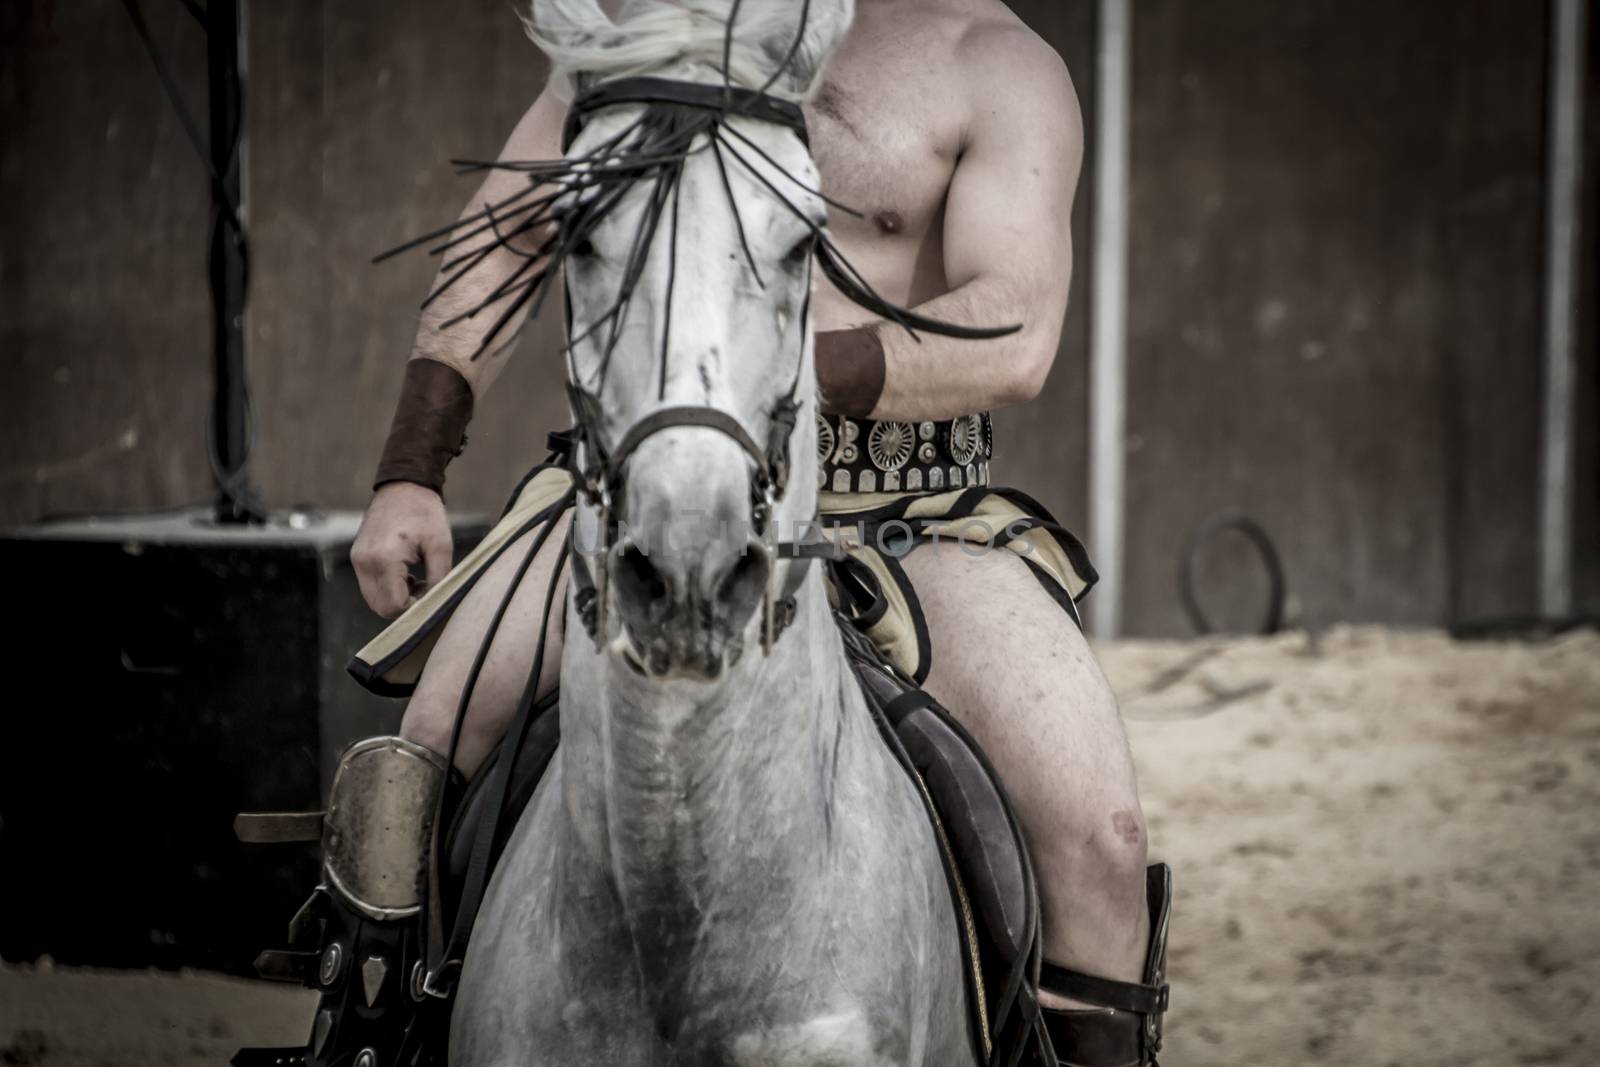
(886, 135)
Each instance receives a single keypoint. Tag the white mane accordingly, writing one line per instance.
(651, 36)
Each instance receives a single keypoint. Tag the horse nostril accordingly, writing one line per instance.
(742, 588)
(640, 583)
(644, 573)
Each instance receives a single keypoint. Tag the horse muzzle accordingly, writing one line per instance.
(685, 562)
(685, 614)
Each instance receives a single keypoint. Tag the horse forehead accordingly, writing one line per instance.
(601, 125)
(772, 159)
(785, 146)
(761, 159)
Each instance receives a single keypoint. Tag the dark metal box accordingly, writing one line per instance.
(167, 673)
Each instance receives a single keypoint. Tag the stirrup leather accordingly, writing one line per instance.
(1125, 1029)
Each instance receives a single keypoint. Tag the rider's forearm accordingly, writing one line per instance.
(462, 342)
(455, 358)
(937, 377)
(443, 334)
(429, 427)
(536, 136)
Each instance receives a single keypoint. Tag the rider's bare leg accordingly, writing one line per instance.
(432, 710)
(1017, 672)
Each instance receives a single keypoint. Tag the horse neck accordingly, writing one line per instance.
(674, 793)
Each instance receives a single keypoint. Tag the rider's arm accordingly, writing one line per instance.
(450, 367)
(537, 136)
(405, 523)
(1007, 238)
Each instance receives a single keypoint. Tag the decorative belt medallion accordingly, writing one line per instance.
(889, 445)
(964, 438)
(825, 439)
(872, 455)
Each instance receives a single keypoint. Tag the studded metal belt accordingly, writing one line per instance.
(882, 455)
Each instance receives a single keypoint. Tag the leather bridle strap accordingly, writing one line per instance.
(668, 418)
(725, 99)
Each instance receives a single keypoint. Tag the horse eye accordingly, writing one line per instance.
(582, 249)
(800, 252)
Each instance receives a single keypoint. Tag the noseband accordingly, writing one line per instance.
(600, 475)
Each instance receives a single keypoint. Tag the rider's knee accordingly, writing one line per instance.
(1101, 843)
(1110, 825)
(1119, 844)
(428, 723)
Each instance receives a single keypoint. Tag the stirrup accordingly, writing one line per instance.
(359, 940)
(1125, 1029)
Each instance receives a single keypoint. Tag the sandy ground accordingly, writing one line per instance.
(1387, 852)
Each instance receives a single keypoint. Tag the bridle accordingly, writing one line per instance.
(600, 475)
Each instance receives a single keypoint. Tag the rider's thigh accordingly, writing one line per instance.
(432, 711)
(1017, 672)
(1015, 669)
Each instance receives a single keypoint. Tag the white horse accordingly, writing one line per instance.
(724, 865)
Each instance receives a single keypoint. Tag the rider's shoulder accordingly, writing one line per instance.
(993, 43)
(1008, 69)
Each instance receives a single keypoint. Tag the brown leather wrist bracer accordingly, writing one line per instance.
(429, 428)
(850, 370)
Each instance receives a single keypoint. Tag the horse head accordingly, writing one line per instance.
(687, 231)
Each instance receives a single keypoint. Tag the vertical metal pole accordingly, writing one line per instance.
(1108, 314)
(230, 407)
(1563, 180)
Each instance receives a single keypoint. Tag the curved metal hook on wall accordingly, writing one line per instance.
(1221, 522)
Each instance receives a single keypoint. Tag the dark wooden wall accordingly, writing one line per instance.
(104, 310)
(1334, 279)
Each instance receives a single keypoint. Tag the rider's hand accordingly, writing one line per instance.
(404, 525)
